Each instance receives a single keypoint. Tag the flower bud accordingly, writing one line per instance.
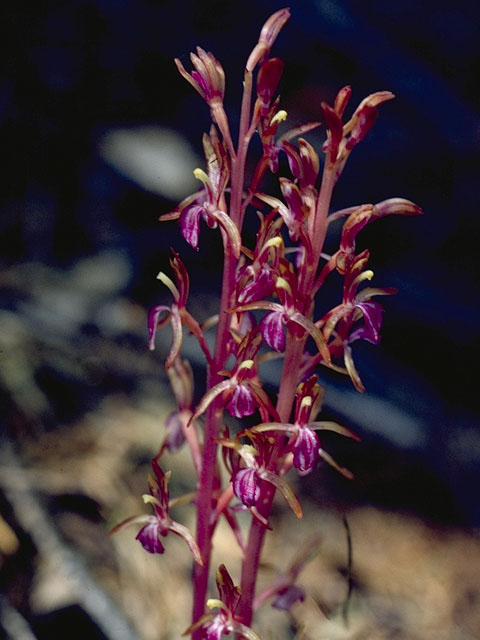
(268, 35)
(208, 77)
(267, 82)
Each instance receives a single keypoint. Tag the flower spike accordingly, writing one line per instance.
(268, 312)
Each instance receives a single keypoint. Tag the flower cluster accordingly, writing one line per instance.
(270, 308)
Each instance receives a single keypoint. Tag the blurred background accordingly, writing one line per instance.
(100, 136)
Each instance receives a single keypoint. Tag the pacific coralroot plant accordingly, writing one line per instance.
(270, 306)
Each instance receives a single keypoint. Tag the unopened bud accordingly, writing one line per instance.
(268, 35)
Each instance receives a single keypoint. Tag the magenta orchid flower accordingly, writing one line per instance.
(209, 203)
(267, 82)
(208, 78)
(286, 314)
(268, 35)
(177, 313)
(256, 280)
(356, 318)
(160, 523)
(358, 218)
(241, 392)
(303, 442)
(181, 382)
(269, 119)
(249, 466)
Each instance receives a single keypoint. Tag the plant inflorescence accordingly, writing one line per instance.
(270, 306)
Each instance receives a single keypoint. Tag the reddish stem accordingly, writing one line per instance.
(286, 394)
(206, 520)
(208, 475)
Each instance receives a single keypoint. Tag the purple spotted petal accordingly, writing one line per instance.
(305, 450)
(190, 224)
(245, 486)
(148, 536)
(242, 402)
(271, 328)
(215, 628)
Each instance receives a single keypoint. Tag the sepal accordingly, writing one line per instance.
(286, 491)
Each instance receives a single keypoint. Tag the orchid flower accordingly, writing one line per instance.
(357, 317)
(208, 203)
(304, 443)
(241, 391)
(159, 524)
(247, 480)
(177, 314)
(213, 626)
(286, 314)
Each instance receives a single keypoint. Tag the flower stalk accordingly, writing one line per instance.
(269, 307)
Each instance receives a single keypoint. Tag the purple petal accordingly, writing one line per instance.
(175, 437)
(215, 629)
(293, 158)
(148, 536)
(305, 450)
(242, 402)
(259, 288)
(287, 597)
(272, 331)
(295, 214)
(153, 322)
(245, 487)
(372, 323)
(190, 224)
